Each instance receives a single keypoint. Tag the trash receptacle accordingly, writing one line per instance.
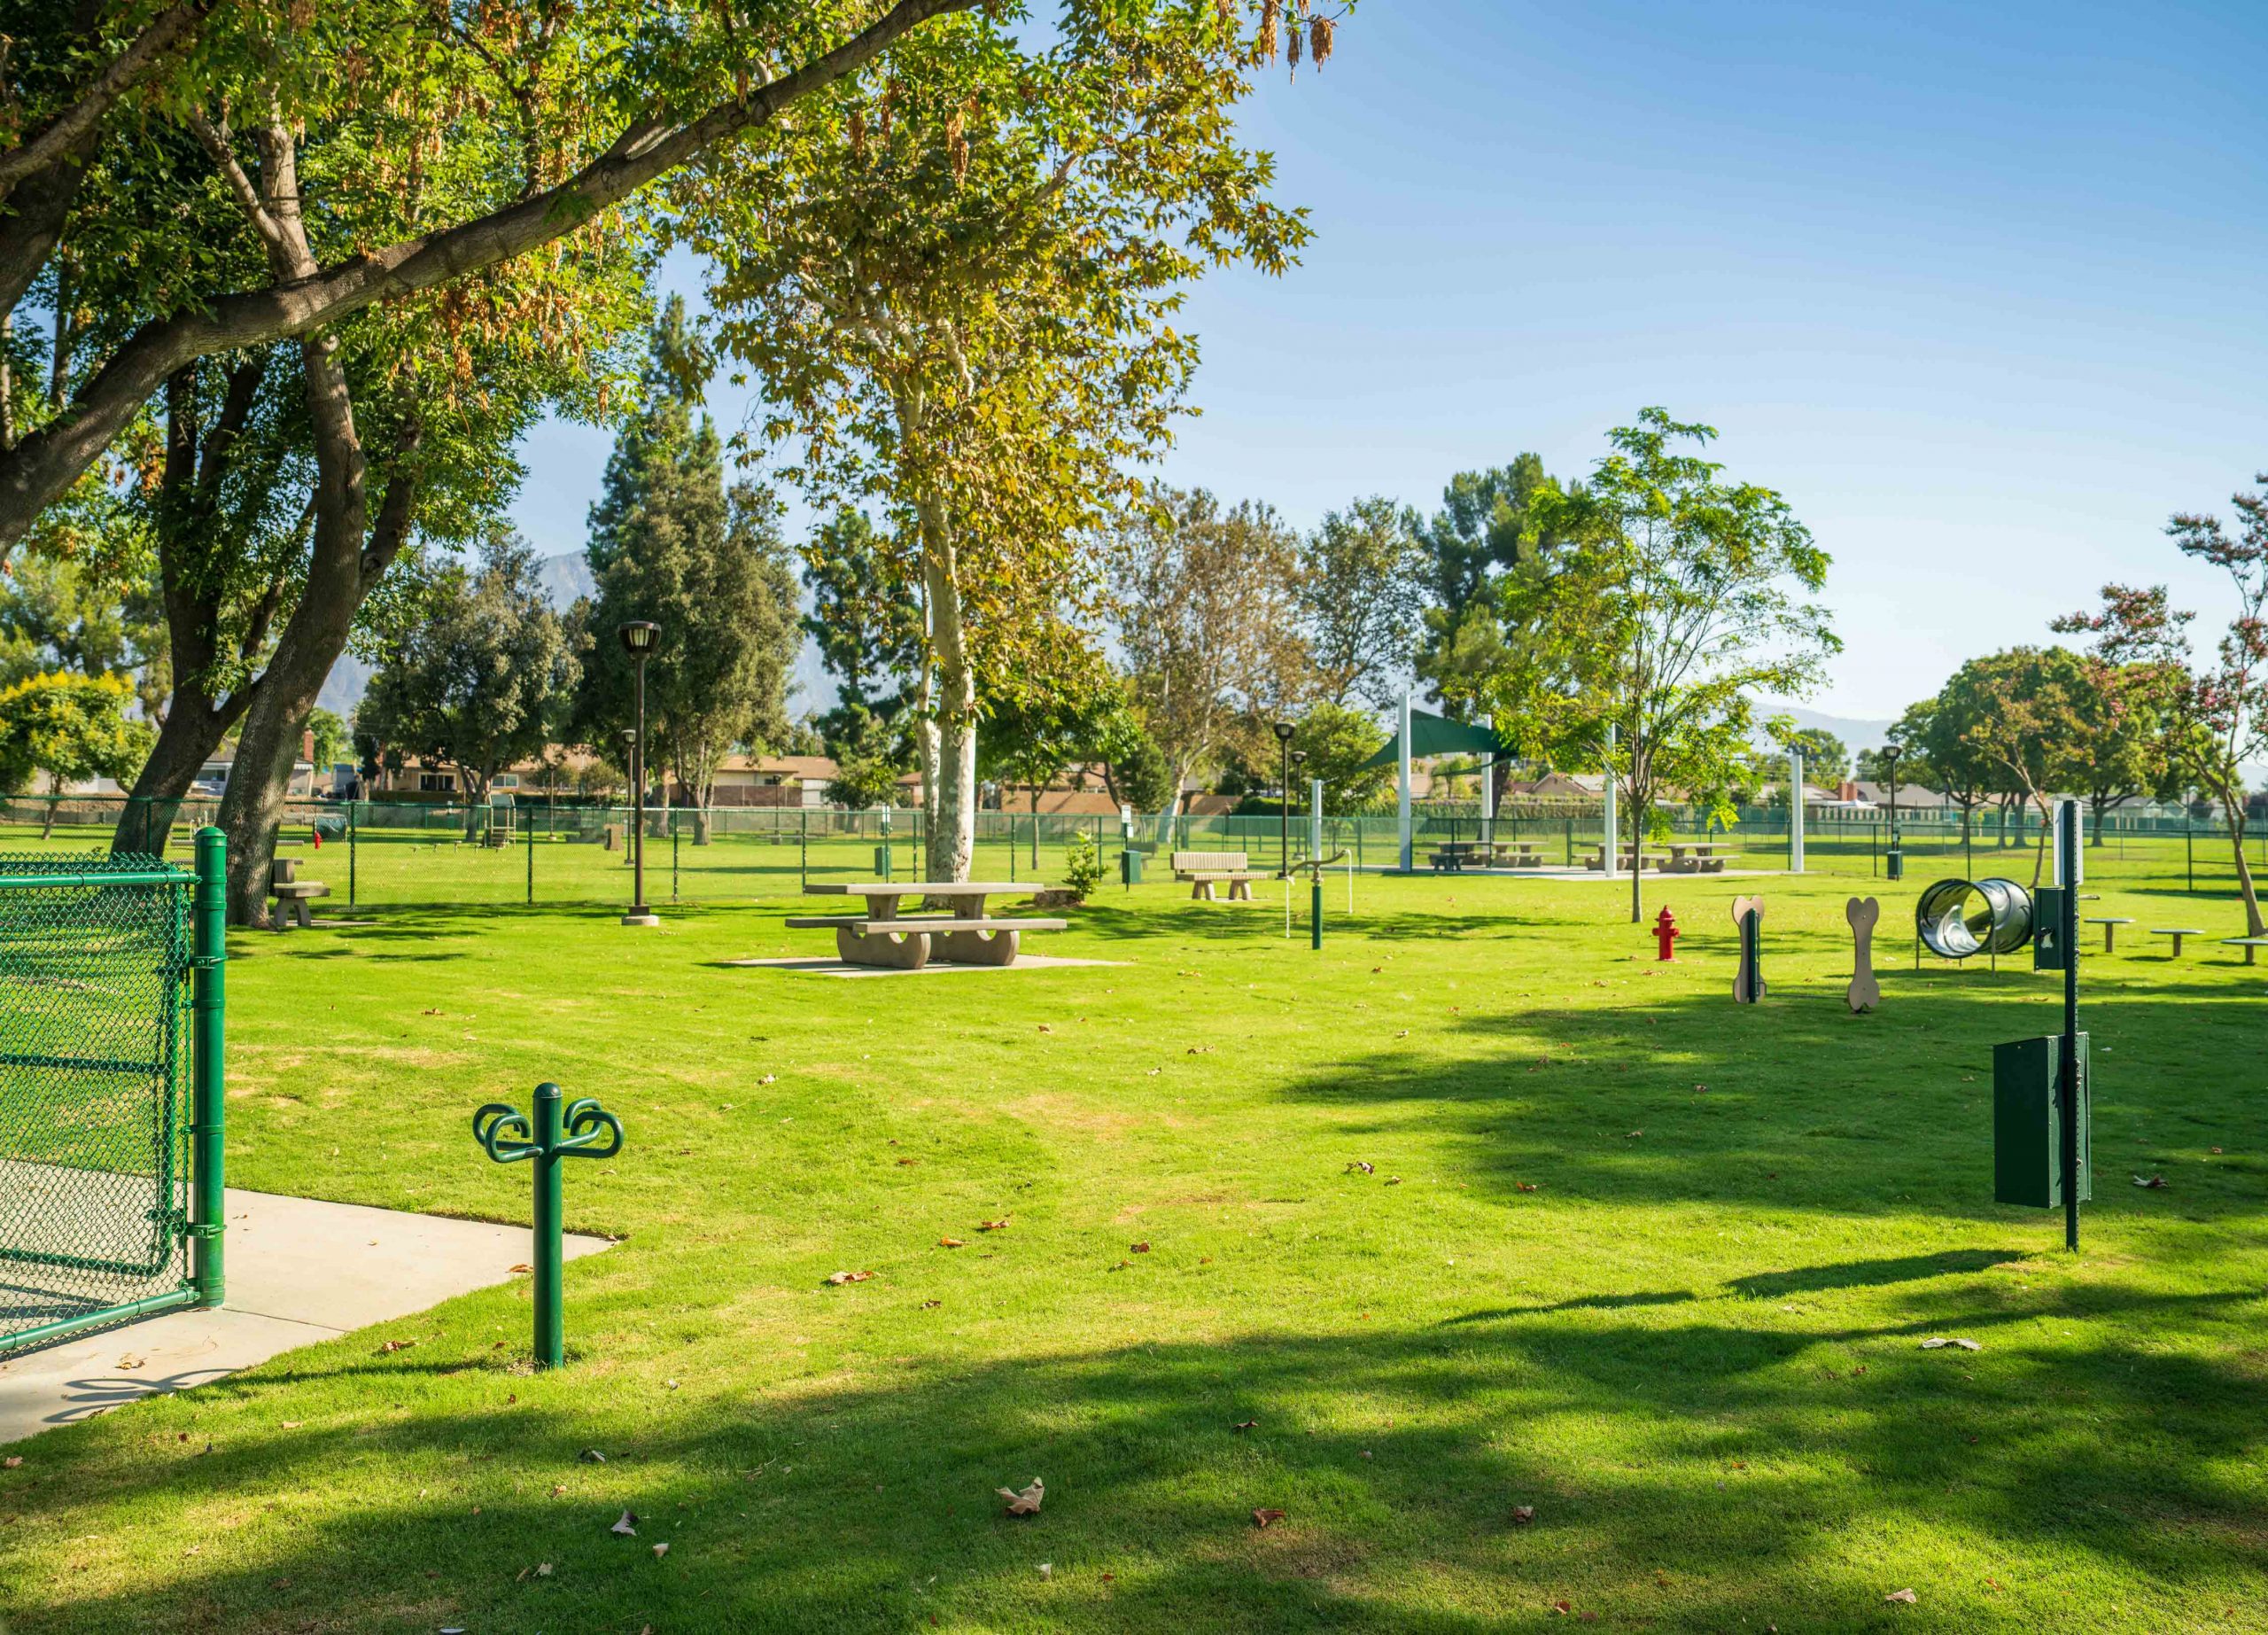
(1130, 866)
(1895, 862)
(881, 861)
(2027, 1131)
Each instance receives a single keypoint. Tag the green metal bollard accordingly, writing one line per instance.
(506, 1135)
(208, 1007)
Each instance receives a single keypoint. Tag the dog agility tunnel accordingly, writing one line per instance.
(1960, 919)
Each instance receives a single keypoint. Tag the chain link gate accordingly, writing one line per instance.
(111, 1015)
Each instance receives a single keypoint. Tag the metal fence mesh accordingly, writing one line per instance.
(94, 1076)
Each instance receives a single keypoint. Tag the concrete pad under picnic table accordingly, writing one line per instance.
(839, 967)
(299, 1271)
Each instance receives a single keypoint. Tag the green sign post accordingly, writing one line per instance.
(2041, 1086)
(506, 1135)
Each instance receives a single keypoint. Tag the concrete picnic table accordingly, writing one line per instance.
(885, 937)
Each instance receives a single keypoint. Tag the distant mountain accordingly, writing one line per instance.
(344, 686)
(1856, 734)
(564, 577)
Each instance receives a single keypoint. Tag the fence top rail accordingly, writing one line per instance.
(119, 877)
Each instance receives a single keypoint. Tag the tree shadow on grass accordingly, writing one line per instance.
(1724, 1466)
(1666, 1097)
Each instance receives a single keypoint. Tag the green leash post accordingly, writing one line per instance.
(506, 1135)
(208, 1017)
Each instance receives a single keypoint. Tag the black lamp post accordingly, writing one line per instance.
(1896, 861)
(639, 638)
(1284, 730)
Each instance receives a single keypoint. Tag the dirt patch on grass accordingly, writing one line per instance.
(1288, 1550)
(1192, 1200)
(1063, 1112)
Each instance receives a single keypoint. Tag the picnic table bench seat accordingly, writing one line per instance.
(2251, 945)
(2110, 924)
(2177, 933)
(886, 936)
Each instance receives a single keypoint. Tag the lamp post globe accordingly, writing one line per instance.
(640, 637)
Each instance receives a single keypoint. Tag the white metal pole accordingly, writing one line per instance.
(1402, 805)
(1607, 852)
(1795, 812)
(1315, 817)
(1489, 797)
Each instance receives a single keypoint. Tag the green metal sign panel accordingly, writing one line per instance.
(2027, 1137)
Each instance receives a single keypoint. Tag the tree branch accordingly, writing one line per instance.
(45, 463)
(53, 142)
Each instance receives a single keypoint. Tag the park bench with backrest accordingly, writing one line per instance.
(1203, 871)
(887, 937)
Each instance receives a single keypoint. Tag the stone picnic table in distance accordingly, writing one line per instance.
(885, 937)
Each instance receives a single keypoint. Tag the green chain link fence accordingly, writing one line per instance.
(110, 1070)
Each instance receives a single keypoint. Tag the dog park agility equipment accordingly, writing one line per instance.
(508, 1136)
(1748, 982)
(113, 1018)
(1957, 920)
(1864, 993)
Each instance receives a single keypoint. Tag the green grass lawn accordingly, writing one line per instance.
(1652, 1264)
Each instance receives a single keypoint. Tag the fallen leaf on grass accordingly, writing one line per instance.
(2216, 1152)
(293, 1424)
(952, 1242)
(1367, 1169)
(1903, 1596)
(2154, 1182)
(1937, 1343)
(661, 1550)
(769, 1078)
(905, 1164)
(522, 1266)
(840, 1278)
(1523, 1186)
(1000, 1225)
(395, 1345)
(591, 1456)
(1140, 1249)
(1026, 1503)
(627, 1527)
(1046, 1029)
(1522, 1515)
(1634, 1135)
(1393, 1180)
(12, 1462)
(1245, 1425)
(1561, 1606)
(931, 1305)
(1404, 1034)
(1262, 1519)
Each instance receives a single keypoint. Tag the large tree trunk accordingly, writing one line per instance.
(952, 816)
(193, 729)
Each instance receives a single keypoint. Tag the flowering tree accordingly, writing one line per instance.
(2216, 712)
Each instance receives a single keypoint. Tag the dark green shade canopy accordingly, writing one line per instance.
(1437, 735)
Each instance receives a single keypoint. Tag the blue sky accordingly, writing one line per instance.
(1977, 288)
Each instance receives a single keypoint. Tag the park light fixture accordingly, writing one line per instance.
(1284, 731)
(640, 637)
(1895, 862)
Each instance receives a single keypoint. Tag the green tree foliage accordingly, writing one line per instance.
(956, 290)
(435, 145)
(1489, 526)
(478, 682)
(1208, 626)
(1336, 740)
(1827, 758)
(2024, 713)
(2214, 712)
(333, 738)
(1675, 595)
(1082, 866)
(1074, 713)
(869, 637)
(1360, 600)
(63, 613)
(669, 543)
(70, 726)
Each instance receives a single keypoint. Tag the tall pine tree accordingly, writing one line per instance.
(670, 542)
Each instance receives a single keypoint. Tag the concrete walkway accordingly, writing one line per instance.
(299, 1271)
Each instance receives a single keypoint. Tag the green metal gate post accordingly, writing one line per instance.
(208, 1033)
(350, 851)
(530, 865)
(505, 1134)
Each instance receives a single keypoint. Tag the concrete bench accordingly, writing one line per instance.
(2251, 945)
(1203, 871)
(2177, 933)
(291, 899)
(2110, 924)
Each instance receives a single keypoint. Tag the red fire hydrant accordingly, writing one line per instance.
(1666, 932)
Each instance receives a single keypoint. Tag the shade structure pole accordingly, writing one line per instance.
(1401, 803)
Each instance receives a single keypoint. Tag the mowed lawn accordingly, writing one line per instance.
(1477, 1211)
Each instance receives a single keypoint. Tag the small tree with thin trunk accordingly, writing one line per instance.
(1675, 595)
(71, 727)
